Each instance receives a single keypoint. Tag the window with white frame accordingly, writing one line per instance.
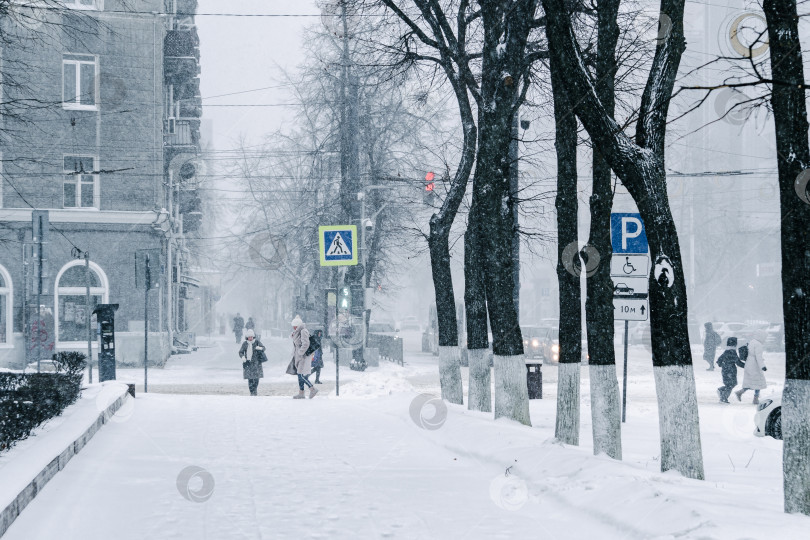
(6, 299)
(83, 4)
(79, 81)
(80, 187)
(71, 300)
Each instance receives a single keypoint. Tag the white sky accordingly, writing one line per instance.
(248, 53)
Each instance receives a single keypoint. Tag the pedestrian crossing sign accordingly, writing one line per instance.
(338, 245)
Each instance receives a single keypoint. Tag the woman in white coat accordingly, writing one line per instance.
(754, 377)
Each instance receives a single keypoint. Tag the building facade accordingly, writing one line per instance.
(103, 134)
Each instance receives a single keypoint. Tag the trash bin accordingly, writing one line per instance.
(534, 378)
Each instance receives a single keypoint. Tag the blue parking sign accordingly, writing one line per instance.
(627, 233)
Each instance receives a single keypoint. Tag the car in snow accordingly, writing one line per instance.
(382, 327)
(551, 346)
(738, 330)
(45, 366)
(768, 418)
(533, 337)
(774, 338)
(410, 324)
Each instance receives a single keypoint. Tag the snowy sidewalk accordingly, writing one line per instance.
(363, 468)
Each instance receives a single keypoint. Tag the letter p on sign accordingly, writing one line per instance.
(627, 233)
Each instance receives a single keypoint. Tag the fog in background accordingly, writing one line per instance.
(722, 171)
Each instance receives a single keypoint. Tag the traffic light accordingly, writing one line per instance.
(357, 301)
(429, 194)
(344, 299)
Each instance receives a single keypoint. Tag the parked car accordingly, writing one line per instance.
(637, 332)
(774, 338)
(533, 337)
(382, 327)
(410, 324)
(731, 329)
(551, 346)
(768, 418)
(45, 366)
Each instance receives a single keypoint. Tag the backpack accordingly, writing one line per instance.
(314, 344)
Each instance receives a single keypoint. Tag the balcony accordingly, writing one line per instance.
(181, 132)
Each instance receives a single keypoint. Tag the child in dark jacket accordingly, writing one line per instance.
(317, 359)
(729, 361)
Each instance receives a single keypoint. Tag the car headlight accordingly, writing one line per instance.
(764, 405)
(525, 342)
(535, 343)
(555, 348)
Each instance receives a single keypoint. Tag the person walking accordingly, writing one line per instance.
(252, 354)
(728, 362)
(711, 341)
(317, 358)
(238, 326)
(250, 324)
(753, 376)
(303, 364)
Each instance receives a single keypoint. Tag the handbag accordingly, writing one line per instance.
(291, 368)
(262, 357)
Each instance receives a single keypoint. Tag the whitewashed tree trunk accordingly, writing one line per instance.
(511, 390)
(678, 420)
(606, 411)
(450, 374)
(796, 453)
(567, 429)
(479, 393)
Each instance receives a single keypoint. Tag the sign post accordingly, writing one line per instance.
(630, 270)
(147, 264)
(331, 302)
(338, 246)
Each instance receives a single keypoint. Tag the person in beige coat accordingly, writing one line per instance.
(302, 360)
(754, 376)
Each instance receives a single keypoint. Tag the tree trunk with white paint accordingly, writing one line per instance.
(569, 266)
(605, 410)
(567, 428)
(450, 374)
(511, 390)
(605, 399)
(479, 391)
(640, 166)
(677, 406)
(788, 102)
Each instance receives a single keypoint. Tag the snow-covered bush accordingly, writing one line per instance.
(29, 399)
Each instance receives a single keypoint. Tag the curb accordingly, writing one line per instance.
(12, 511)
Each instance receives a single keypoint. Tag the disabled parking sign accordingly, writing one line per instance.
(338, 245)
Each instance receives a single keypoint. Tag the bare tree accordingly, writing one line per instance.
(788, 101)
(429, 38)
(568, 270)
(640, 166)
(605, 403)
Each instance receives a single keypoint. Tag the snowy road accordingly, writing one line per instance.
(359, 466)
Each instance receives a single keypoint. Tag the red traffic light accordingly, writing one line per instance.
(429, 187)
(429, 177)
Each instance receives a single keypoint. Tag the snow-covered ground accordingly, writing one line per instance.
(372, 464)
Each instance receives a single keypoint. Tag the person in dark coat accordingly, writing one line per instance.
(252, 353)
(317, 358)
(728, 362)
(250, 324)
(711, 341)
(238, 325)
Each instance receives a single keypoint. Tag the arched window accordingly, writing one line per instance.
(71, 300)
(6, 301)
